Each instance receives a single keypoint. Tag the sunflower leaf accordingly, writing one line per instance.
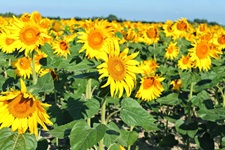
(85, 136)
(44, 84)
(133, 114)
(14, 141)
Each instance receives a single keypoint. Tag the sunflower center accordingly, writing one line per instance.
(9, 41)
(63, 45)
(29, 35)
(148, 82)
(95, 39)
(152, 33)
(182, 26)
(117, 68)
(24, 63)
(202, 50)
(221, 39)
(185, 60)
(170, 50)
(21, 107)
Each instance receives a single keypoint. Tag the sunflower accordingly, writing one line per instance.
(27, 36)
(167, 28)
(150, 88)
(200, 55)
(176, 84)
(172, 51)
(61, 47)
(181, 28)
(150, 34)
(95, 39)
(184, 63)
(149, 66)
(7, 44)
(23, 67)
(22, 111)
(119, 69)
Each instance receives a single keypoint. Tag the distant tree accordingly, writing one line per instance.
(200, 21)
(112, 17)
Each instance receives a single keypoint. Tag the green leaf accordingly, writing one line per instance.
(129, 136)
(205, 141)
(186, 129)
(113, 135)
(114, 147)
(83, 109)
(168, 141)
(171, 99)
(134, 115)
(63, 130)
(212, 114)
(47, 49)
(44, 84)
(189, 77)
(83, 137)
(14, 141)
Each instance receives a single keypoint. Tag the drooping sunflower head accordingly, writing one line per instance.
(22, 111)
(119, 69)
(176, 84)
(150, 88)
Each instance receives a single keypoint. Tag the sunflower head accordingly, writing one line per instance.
(22, 111)
(120, 70)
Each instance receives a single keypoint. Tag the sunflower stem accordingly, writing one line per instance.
(101, 145)
(88, 96)
(131, 129)
(189, 112)
(223, 96)
(34, 75)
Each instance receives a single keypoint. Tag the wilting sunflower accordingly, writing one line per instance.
(172, 51)
(184, 63)
(200, 55)
(176, 84)
(23, 67)
(95, 39)
(61, 47)
(22, 111)
(150, 88)
(28, 36)
(119, 69)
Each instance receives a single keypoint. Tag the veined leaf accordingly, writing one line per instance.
(134, 115)
(14, 141)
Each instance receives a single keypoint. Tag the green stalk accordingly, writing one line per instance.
(88, 96)
(189, 112)
(223, 96)
(131, 129)
(34, 75)
(101, 145)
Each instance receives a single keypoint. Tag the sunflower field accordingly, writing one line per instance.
(95, 84)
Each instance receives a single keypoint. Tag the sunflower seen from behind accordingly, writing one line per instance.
(21, 111)
(119, 69)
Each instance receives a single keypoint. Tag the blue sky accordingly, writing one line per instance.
(135, 10)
